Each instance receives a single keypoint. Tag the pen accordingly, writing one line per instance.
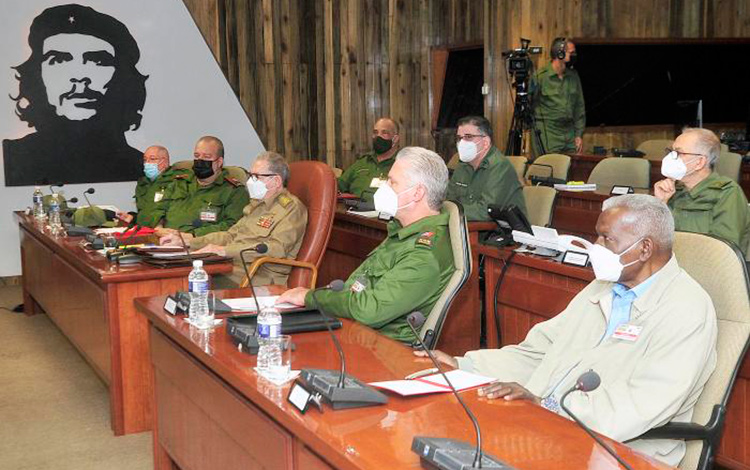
(421, 373)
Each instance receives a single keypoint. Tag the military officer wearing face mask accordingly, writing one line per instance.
(153, 190)
(644, 325)
(274, 217)
(207, 199)
(557, 100)
(366, 174)
(411, 268)
(701, 200)
(483, 176)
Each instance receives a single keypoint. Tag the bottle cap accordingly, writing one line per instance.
(197, 263)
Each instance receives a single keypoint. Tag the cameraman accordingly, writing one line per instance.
(557, 100)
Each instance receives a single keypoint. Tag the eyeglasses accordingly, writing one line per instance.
(260, 175)
(200, 157)
(679, 152)
(459, 138)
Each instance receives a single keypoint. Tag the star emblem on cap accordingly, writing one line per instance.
(71, 19)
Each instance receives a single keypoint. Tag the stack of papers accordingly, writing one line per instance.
(435, 383)
(576, 187)
(247, 304)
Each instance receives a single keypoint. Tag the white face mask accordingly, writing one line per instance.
(256, 188)
(467, 150)
(386, 200)
(673, 167)
(606, 264)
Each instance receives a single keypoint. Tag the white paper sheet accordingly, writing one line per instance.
(247, 304)
(435, 383)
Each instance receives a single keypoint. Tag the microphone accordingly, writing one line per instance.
(73, 200)
(340, 390)
(587, 382)
(88, 191)
(260, 248)
(450, 453)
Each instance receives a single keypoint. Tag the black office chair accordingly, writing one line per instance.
(720, 269)
(459, 234)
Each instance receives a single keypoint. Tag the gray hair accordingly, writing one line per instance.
(707, 143)
(277, 165)
(649, 217)
(428, 169)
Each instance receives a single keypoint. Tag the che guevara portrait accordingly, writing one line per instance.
(81, 91)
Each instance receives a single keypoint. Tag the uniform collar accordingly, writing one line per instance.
(424, 224)
(373, 157)
(703, 184)
(220, 180)
(273, 201)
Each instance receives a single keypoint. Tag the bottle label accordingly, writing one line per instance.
(268, 331)
(198, 286)
(38, 198)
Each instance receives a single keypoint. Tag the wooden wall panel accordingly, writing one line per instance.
(314, 75)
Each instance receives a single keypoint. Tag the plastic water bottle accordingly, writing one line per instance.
(38, 206)
(198, 281)
(55, 225)
(269, 326)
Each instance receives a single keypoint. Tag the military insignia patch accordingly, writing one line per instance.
(284, 200)
(265, 221)
(425, 239)
(357, 287)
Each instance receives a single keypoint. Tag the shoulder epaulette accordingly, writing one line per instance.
(181, 176)
(285, 200)
(425, 239)
(233, 181)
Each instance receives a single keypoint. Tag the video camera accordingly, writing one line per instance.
(519, 62)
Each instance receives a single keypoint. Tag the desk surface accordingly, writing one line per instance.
(524, 435)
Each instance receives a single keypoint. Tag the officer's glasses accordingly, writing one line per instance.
(679, 153)
(256, 176)
(471, 137)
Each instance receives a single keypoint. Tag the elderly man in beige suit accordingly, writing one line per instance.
(644, 325)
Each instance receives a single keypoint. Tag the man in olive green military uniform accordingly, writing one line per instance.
(411, 268)
(701, 200)
(483, 176)
(153, 190)
(365, 175)
(207, 199)
(557, 100)
(274, 217)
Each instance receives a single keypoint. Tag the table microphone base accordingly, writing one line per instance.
(450, 454)
(355, 393)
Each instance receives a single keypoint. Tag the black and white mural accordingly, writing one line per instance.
(86, 86)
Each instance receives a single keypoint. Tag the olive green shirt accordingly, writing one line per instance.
(559, 109)
(358, 177)
(405, 273)
(151, 197)
(193, 207)
(493, 182)
(715, 206)
(280, 225)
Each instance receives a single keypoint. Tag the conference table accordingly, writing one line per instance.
(536, 289)
(213, 411)
(353, 237)
(90, 300)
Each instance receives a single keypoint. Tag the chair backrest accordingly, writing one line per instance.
(337, 172)
(635, 172)
(729, 165)
(724, 148)
(555, 165)
(720, 269)
(540, 204)
(236, 172)
(314, 184)
(519, 164)
(459, 233)
(654, 148)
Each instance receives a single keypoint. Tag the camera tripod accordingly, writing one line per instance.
(523, 120)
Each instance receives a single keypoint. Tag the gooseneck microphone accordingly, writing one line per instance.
(88, 191)
(260, 248)
(442, 452)
(587, 382)
(340, 390)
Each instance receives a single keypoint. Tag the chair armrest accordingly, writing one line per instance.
(687, 431)
(282, 261)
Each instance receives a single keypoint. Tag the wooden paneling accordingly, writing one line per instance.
(314, 75)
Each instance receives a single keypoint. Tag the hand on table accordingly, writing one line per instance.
(440, 356)
(124, 216)
(172, 238)
(294, 296)
(508, 391)
(664, 189)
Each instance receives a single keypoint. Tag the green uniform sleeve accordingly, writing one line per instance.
(231, 213)
(409, 283)
(730, 217)
(345, 180)
(578, 108)
(501, 188)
